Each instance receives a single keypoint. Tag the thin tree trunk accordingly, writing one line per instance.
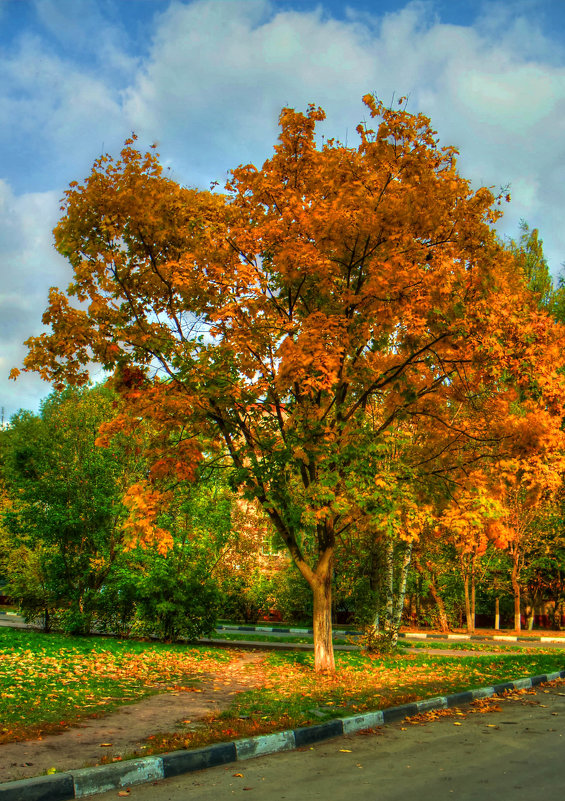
(473, 594)
(468, 617)
(399, 601)
(395, 601)
(389, 584)
(438, 600)
(497, 614)
(516, 590)
(377, 621)
(467, 598)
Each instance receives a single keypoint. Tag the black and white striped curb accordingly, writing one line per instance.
(269, 629)
(408, 635)
(89, 781)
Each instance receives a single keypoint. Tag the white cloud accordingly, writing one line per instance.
(29, 265)
(57, 116)
(219, 73)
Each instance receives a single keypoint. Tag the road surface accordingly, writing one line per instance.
(516, 754)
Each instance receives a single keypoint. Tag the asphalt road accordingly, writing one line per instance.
(516, 754)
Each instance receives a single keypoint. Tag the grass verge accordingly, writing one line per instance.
(235, 636)
(462, 645)
(48, 682)
(292, 695)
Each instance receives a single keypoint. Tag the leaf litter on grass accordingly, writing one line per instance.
(50, 681)
(85, 677)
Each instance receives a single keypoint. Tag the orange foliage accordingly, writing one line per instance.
(333, 284)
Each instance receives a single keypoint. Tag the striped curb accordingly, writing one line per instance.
(89, 781)
(408, 635)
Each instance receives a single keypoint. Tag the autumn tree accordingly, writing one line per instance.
(526, 486)
(465, 524)
(264, 323)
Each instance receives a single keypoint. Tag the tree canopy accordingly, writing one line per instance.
(292, 324)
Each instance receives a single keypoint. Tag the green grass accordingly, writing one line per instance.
(258, 637)
(462, 645)
(340, 628)
(50, 681)
(292, 695)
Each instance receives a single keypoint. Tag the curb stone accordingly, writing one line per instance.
(89, 781)
(407, 635)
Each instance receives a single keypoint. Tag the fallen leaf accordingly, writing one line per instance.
(238, 775)
(345, 750)
(457, 723)
(106, 745)
(123, 793)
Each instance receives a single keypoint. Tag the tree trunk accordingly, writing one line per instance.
(395, 601)
(320, 581)
(468, 616)
(497, 614)
(473, 594)
(389, 585)
(399, 600)
(438, 600)
(516, 590)
(323, 641)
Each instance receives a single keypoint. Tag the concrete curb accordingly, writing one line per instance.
(408, 635)
(89, 781)
(260, 645)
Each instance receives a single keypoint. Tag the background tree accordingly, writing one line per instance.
(533, 265)
(268, 322)
(65, 519)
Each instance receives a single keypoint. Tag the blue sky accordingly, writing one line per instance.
(206, 80)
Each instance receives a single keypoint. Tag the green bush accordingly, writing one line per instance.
(176, 601)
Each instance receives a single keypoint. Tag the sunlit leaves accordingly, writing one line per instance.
(330, 297)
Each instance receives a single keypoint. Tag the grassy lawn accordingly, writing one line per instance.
(292, 695)
(48, 682)
(462, 645)
(235, 636)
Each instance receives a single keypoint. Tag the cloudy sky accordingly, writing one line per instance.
(206, 80)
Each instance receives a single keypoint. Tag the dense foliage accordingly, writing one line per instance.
(342, 331)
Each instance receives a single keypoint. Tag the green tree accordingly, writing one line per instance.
(65, 519)
(533, 265)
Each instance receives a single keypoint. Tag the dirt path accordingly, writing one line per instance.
(126, 728)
